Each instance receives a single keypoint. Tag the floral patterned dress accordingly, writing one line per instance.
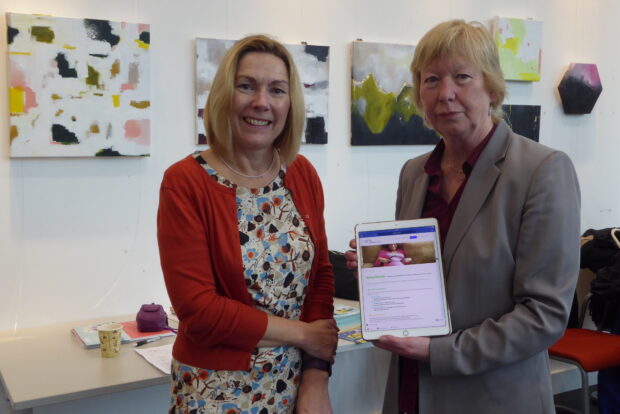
(277, 255)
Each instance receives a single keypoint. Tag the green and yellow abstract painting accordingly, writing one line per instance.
(382, 110)
(519, 45)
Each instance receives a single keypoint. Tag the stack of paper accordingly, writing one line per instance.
(348, 320)
(89, 337)
(346, 316)
(131, 329)
(160, 357)
(352, 334)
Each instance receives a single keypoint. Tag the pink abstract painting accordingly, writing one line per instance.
(78, 87)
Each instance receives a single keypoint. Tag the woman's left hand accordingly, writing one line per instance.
(415, 347)
(313, 395)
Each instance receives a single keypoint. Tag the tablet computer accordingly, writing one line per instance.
(401, 283)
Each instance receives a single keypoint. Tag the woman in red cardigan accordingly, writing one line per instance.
(243, 249)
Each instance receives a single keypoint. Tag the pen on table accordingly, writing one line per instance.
(147, 341)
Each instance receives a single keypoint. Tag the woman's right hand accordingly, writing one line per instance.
(320, 339)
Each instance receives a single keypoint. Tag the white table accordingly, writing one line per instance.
(46, 370)
(44, 366)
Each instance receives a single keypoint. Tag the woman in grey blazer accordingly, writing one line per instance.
(508, 210)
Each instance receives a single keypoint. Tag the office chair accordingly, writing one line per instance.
(589, 350)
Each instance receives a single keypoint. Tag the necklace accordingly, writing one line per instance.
(273, 160)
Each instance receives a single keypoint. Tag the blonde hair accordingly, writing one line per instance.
(470, 40)
(219, 103)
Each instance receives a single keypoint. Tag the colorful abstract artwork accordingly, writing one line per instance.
(382, 110)
(78, 87)
(580, 88)
(312, 64)
(523, 119)
(519, 45)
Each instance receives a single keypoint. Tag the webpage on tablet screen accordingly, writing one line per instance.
(400, 279)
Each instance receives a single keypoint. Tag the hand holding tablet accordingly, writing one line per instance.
(401, 283)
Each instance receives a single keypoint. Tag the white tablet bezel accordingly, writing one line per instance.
(404, 332)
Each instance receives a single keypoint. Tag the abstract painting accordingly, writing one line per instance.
(580, 88)
(78, 87)
(312, 63)
(519, 44)
(523, 119)
(382, 110)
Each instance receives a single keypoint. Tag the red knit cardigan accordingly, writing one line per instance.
(199, 247)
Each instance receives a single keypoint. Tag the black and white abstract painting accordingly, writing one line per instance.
(312, 64)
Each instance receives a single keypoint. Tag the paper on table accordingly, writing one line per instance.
(159, 356)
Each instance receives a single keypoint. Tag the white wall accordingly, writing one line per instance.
(78, 236)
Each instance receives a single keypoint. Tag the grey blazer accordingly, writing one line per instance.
(511, 260)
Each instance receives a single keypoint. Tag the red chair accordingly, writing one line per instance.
(589, 351)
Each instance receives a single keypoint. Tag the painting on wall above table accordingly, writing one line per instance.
(382, 110)
(580, 88)
(312, 63)
(519, 43)
(78, 87)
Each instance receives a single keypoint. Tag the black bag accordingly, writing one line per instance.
(344, 279)
(605, 289)
(599, 251)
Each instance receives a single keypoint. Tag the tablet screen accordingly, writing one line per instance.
(401, 280)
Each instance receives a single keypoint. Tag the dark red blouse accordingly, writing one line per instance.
(434, 206)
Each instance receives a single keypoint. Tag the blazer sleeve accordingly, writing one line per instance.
(207, 317)
(399, 192)
(546, 269)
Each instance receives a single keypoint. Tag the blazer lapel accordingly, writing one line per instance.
(420, 188)
(412, 190)
(479, 185)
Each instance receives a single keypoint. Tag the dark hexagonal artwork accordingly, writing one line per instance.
(580, 88)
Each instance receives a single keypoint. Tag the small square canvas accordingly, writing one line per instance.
(78, 87)
(312, 63)
(382, 110)
(519, 43)
(523, 119)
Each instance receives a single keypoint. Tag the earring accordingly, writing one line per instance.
(490, 110)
